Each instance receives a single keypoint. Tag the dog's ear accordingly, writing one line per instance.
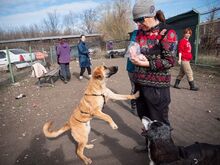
(97, 74)
(146, 121)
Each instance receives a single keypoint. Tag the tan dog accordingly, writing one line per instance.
(95, 96)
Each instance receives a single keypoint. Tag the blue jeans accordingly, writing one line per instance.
(65, 71)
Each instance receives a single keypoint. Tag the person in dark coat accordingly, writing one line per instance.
(63, 59)
(84, 59)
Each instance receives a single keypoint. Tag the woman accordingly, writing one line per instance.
(63, 59)
(152, 77)
(84, 60)
(185, 56)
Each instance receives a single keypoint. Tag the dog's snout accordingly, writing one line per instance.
(112, 70)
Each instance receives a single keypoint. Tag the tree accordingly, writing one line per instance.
(70, 22)
(115, 20)
(210, 36)
(89, 20)
(52, 23)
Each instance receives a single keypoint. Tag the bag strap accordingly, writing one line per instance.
(162, 27)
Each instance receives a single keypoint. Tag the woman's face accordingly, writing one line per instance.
(187, 35)
(148, 23)
(83, 38)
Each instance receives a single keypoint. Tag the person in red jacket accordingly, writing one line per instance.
(185, 56)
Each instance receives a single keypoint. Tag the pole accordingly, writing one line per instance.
(10, 67)
(44, 57)
(197, 40)
(51, 55)
(30, 51)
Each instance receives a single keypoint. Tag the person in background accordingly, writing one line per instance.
(152, 77)
(110, 45)
(63, 59)
(84, 59)
(130, 69)
(185, 56)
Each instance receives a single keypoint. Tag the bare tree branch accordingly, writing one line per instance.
(52, 23)
(89, 20)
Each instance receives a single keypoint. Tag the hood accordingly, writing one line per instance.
(64, 45)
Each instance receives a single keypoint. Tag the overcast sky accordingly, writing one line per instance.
(26, 12)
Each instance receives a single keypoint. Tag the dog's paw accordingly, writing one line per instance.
(114, 126)
(87, 161)
(137, 94)
(89, 146)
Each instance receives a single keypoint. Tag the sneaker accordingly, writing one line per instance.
(65, 81)
(140, 149)
(90, 75)
(80, 77)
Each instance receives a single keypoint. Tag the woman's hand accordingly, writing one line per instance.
(179, 62)
(138, 59)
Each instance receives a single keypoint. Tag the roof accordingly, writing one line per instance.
(189, 14)
(48, 38)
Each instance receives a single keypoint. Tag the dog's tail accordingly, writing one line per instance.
(52, 134)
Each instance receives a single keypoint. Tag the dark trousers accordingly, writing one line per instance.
(65, 71)
(83, 70)
(153, 103)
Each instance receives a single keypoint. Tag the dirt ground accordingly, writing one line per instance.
(193, 115)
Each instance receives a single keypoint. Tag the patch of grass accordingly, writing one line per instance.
(208, 60)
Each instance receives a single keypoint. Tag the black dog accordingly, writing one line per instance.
(163, 151)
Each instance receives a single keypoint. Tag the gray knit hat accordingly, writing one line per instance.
(143, 8)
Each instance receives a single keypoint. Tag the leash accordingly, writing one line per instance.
(97, 95)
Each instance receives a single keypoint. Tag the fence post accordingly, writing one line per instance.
(197, 40)
(44, 58)
(10, 68)
(30, 51)
(51, 54)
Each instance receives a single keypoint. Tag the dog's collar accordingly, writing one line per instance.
(80, 120)
(97, 95)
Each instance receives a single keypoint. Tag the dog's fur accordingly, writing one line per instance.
(162, 150)
(91, 104)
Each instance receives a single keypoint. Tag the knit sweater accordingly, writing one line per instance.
(160, 50)
(184, 47)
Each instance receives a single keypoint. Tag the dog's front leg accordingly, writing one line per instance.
(107, 118)
(114, 96)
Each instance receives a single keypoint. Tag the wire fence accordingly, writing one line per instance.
(13, 70)
(209, 45)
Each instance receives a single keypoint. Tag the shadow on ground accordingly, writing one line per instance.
(37, 154)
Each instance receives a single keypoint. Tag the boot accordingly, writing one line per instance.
(192, 86)
(176, 85)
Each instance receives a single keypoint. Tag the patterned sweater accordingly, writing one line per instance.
(159, 47)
